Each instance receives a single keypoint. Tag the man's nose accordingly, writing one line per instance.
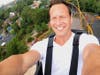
(58, 21)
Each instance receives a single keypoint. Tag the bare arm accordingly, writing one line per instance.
(18, 64)
(91, 60)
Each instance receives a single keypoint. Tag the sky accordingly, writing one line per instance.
(4, 2)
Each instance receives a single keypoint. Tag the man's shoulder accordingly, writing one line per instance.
(86, 39)
(86, 36)
(42, 42)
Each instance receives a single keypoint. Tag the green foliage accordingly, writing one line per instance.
(15, 27)
(44, 3)
(87, 5)
(2, 53)
(13, 19)
(16, 46)
(1, 12)
(30, 39)
(29, 29)
(1, 22)
(42, 15)
(28, 2)
(21, 34)
(97, 9)
(20, 5)
(27, 16)
(41, 28)
(4, 14)
(34, 18)
(30, 17)
(90, 5)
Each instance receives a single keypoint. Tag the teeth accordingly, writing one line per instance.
(59, 28)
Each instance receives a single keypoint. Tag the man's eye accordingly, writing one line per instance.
(62, 17)
(53, 18)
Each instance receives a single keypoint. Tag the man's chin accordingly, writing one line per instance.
(60, 34)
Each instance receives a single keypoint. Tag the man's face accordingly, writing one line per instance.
(60, 19)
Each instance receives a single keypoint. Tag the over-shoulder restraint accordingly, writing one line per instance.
(48, 63)
(75, 54)
(39, 70)
(74, 60)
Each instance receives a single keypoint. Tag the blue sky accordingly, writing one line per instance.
(4, 2)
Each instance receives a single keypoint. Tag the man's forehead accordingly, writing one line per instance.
(58, 7)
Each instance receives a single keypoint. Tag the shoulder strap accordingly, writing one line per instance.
(75, 54)
(48, 59)
(48, 63)
(39, 68)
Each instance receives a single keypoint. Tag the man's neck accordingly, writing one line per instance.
(62, 39)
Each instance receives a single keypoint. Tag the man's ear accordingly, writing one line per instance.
(49, 25)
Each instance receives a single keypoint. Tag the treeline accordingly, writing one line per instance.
(26, 22)
(88, 5)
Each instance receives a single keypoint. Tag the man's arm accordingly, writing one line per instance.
(91, 57)
(18, 64)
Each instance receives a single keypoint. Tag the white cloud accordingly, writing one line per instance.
(4, 2)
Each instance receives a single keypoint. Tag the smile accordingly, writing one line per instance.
(59, 28)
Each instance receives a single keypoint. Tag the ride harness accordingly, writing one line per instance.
(74, 59)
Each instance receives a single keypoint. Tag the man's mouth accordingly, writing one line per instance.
(59, 28)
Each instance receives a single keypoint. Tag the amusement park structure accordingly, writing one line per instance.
(83, 18)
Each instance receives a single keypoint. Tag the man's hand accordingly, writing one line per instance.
(91, 60)
(12, 65)
(18, 64)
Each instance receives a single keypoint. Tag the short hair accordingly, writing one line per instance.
(53, 2)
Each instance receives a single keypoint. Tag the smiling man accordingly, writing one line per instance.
(60, 22)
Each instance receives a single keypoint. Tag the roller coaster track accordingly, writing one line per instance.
(87, 26)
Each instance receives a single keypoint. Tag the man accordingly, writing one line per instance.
(60, 22)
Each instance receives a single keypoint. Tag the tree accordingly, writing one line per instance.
(37, 18)
(42, 15)
(16, 28)
(41, 28)
(28, 2)
(90, 5)
(1, 17)
(15, 46)
(1, 22)
(87, 5)
(27, 16)
(2, 53)
(4, 14)
(97, 9)
(20, 5)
